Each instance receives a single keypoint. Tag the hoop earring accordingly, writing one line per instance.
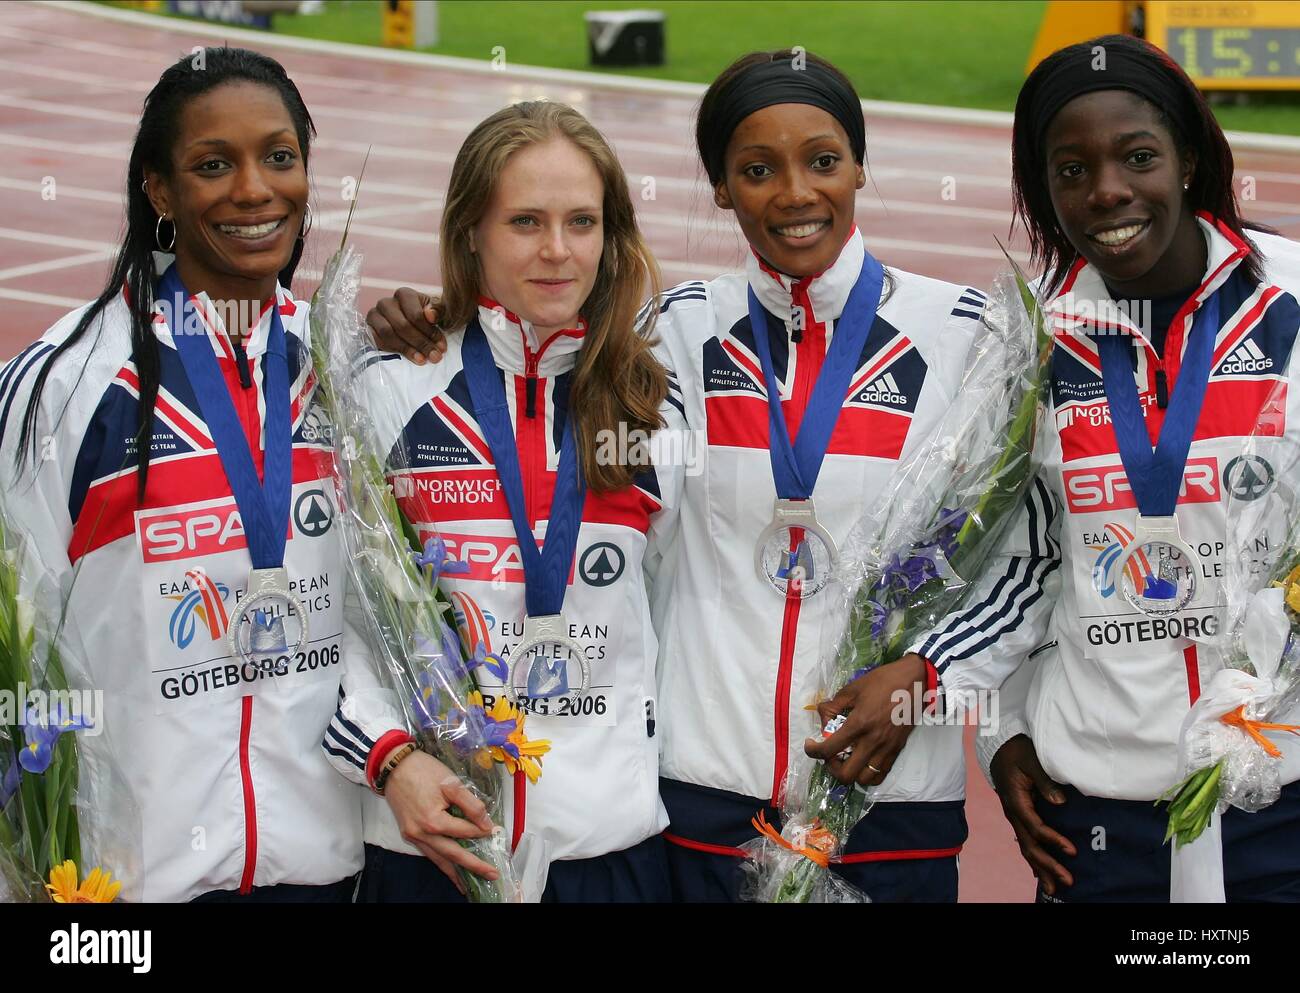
(306, 223)
(157, 234)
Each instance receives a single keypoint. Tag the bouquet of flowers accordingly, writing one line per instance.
(908, 562)
(53, 820)
(1226, 757)
(408, 622)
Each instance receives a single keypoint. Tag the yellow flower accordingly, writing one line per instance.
(529, 751)
(99, 886)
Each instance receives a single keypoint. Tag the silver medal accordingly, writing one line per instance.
(1157, 570)
(801, 566)
(548, 663)
(257, 628)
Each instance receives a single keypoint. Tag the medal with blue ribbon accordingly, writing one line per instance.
(795, 554)
(547, 663)
(1158, 569)
(256, 634)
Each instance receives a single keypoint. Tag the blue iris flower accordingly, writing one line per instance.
(490, 661)
(435, 561)
(906, 576)
(38, 752)
(879, 618)
(9, 784)
(952, 520)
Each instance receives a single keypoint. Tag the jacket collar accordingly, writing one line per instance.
(516, 347)
(211, 314)
(824, 293)
(1083, 306)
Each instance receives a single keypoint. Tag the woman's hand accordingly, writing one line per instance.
(1016, 774)
(420, 790)
(872, 729)
(407, 323)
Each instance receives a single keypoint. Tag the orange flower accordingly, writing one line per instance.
(99, 886)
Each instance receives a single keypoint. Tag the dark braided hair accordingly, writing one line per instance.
(1190, 122)
(133, 270)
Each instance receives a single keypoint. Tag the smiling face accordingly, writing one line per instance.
(237, 192)
(1116, 180)
(540, 240)
(791, 180)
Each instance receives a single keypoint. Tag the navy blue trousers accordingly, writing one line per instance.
(1123, 858)
(340, 892)
(910, 848)
(635, 875)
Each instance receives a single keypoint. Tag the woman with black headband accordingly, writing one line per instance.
(809, 377)
(1173, 327)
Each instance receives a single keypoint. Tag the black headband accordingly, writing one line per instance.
(769, 83)
(1088, 68)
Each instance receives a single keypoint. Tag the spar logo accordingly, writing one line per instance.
(1248, 477)
(202, 602)
(192, 532)
(1106, 488)
(490, 558)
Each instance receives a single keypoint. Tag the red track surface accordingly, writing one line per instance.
(71, 86)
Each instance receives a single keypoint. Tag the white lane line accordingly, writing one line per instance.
(56, 240)
(64, 303)
(69, 262)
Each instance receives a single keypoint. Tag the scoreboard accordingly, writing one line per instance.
(1230, 44)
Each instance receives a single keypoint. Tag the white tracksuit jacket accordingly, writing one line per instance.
(1104, 698)
(737, 660)
(598, 792)
(232, 787)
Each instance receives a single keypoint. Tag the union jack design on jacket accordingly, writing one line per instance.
(223, 759)
(598, 792)
(737, 659)
(1108, 691)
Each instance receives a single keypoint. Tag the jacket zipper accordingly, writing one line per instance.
(253, 427)
(784, 679)
(530, 473)
(250, 799)
(809, 356)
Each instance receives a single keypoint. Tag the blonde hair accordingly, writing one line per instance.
(617, 379)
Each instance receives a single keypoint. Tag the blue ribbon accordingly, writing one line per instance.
(1156, 475)
(546, 571)
(263, 506)
(795, 467)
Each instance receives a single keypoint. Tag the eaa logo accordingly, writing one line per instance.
(204, 600)
(1104, 579)
(1248, 477)
(1104, 488)
(473, 623)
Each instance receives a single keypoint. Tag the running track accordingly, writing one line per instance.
(71, 86)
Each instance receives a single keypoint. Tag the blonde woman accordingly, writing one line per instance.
(506, 441)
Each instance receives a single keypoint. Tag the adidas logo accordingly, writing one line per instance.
(1247, 358)
(884, 390)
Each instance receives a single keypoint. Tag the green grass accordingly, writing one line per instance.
(959, 54)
